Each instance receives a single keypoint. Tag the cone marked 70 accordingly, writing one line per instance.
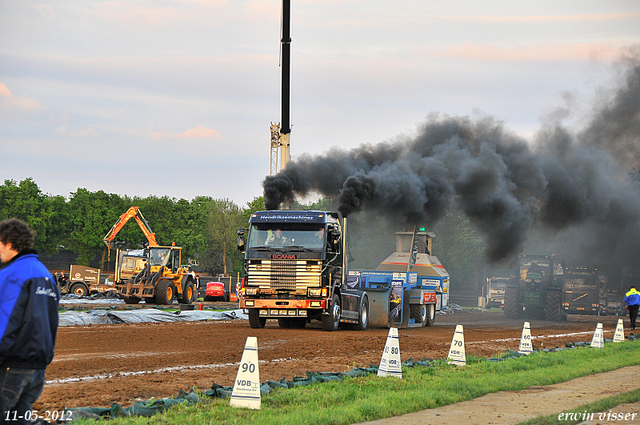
(457, 355)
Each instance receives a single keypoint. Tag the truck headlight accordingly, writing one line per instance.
(315, 292)
(252, 291)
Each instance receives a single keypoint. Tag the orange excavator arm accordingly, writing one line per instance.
(133, 212)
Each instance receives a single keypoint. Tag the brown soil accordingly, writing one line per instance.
(96, 366)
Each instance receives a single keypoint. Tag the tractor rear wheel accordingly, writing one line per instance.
(511, 303)
(165, 292)
(418, 312)
(553, 305)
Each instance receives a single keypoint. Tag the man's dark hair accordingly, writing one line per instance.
(17, 233)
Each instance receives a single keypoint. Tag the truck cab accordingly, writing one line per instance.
(293, 267)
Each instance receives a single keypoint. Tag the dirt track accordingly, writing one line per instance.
(99, 365)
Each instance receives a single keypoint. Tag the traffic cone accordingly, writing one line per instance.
(390, 364)
(525, 340)
(457, 354)
(246, 389)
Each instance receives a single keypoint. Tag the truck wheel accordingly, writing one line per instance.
(255, 321)
(79, 289)
(430, 317)
(511, 303)
(165, 292)
(187, 293)
(331, 321)
(553, 305)
(363, 320)
(284, 323)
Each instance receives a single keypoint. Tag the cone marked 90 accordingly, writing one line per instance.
(246, 388)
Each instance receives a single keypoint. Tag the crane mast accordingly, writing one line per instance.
(280, 135)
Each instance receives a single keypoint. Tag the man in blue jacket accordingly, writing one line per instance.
(28, 322)
(632, 298)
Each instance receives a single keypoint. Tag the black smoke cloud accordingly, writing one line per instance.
(575, 182)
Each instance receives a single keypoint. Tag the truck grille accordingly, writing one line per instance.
(284, 274)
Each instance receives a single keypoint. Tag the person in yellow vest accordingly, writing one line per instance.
(632, 298)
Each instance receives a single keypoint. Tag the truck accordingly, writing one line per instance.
(296, 271)
(495, 290)
(581, 291)
(156, 274)
(82, 281)
(535, 289)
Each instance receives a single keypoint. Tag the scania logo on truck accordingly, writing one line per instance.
(283, 256)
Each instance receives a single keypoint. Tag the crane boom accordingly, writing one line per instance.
(133, 212)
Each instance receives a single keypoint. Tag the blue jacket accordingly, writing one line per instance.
(28, 313)
(632, 297)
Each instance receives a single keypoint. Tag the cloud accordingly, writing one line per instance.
(199, 132)
(594, 17)
(11, 103)
(125, 13)
(64, 130)
(520, 53)
(263, 9)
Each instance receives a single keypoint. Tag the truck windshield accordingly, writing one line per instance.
(283, 235)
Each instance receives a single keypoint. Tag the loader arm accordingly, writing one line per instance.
(133, 212)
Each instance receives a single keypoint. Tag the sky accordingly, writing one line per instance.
(175, 97)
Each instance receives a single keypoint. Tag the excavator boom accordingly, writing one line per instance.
(133, 212)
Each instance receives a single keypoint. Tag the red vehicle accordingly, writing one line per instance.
(215, 291)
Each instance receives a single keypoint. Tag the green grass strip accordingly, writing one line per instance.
(369, 398)
(598, 408)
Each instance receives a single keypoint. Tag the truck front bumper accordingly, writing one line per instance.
(282, 307)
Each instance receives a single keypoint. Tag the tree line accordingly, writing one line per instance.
(204, 227)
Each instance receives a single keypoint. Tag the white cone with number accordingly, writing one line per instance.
(525, 340)
(390, 364)
(619, 335)
(598, 339)
(457, 355)
(246, 389)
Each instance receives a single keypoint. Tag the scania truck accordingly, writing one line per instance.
(296, 272)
